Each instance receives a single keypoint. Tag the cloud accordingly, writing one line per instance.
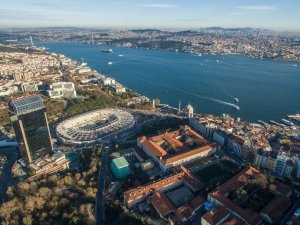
(160, 6)
(257, 7)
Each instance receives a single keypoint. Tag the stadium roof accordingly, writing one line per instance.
(25, 104)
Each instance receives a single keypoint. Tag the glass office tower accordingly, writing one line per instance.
(29, 120)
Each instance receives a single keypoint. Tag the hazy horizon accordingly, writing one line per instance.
(273, 15)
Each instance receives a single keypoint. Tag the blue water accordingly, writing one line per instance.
(266, 89)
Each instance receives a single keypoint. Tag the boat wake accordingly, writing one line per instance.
(225, 103)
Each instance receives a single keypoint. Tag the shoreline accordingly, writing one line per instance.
(185, 52)
(254, 120)
(161, 104)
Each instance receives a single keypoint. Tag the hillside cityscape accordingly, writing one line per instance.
(259, 43)
(78, 146)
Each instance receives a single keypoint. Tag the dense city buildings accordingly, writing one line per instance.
(128, 154)
(264, 44)
(29, 119)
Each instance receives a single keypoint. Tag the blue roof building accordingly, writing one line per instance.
(120, 168)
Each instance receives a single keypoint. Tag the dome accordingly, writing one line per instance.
(189, 106)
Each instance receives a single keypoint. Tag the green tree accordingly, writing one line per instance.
(75, 220)
(27, 220)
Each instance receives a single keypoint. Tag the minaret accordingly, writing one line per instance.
(153, 104)
(31, 41)
(189, 111)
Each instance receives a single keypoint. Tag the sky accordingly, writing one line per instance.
(167, 14)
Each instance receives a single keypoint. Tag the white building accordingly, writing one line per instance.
(108, 81)
(62, 90)
(205, 128)
(4, 91)
(84, 70)
(30, 86)
(261, 158)
(117, 88)
(283, 165)
(236, 143)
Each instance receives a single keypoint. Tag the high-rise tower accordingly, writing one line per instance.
(29, 120)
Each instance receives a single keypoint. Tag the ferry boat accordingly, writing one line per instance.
(110, 63)
(236, 107)
(297, 115)
(107, 50)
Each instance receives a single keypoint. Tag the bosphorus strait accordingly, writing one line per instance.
(266, 89)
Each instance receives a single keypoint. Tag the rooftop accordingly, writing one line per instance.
(120, 162)
(25, 104)
(175, 179)
(221, 195)
(216, 215)
(176, 145)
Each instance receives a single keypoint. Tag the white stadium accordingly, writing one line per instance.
(95, 127)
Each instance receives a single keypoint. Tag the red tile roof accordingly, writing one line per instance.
(236, 182)
(182, 150)
(187, 154)
(216, 215)
(155, 148)
(233, 221)
(233, 184)
(162, 204)
(276, 208)
(148, 189)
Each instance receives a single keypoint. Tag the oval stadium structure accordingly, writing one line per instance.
(95, 127)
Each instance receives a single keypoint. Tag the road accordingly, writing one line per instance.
(100, 208)
(5, 173)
